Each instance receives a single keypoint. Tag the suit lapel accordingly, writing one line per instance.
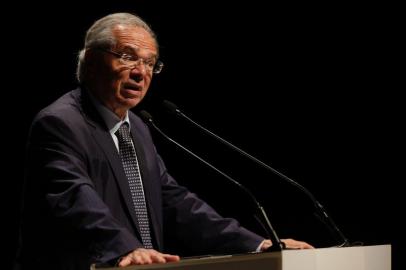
(105, 141)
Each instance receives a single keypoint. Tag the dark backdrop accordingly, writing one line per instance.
(309, 90)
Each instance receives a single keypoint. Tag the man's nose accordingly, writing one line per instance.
(138, 71)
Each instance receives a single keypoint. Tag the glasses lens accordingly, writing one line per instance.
(132, 62)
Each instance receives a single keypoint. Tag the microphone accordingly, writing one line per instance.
(172, 108)
(263, 219)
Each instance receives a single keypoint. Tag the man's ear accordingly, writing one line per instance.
(90, 58)
(93, 62)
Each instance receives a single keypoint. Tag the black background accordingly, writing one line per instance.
(311, 90)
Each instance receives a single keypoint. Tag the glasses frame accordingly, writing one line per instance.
(125, 57)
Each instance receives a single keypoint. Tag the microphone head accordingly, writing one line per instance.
(172, 108)
(145, 116)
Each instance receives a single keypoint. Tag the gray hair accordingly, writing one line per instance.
(100, 35)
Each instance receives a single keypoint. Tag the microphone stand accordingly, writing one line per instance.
(262, 218)
(319, 208)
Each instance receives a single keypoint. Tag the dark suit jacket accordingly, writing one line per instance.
(78, 207)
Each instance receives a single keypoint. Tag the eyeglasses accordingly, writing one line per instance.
(131, 61)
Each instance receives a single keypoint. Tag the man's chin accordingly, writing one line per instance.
(132, 101)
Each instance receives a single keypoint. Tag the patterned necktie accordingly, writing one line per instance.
(132, 171)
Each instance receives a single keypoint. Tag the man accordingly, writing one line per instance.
(89, 197)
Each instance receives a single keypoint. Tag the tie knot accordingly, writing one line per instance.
(123, 133)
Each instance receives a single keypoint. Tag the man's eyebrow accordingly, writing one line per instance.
(135, 49)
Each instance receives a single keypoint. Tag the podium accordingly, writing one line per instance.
(348, 258)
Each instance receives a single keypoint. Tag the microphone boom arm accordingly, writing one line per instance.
(277, 244)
